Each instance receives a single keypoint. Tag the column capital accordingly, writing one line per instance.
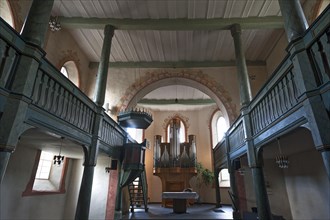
(109, 29)
(235, 29)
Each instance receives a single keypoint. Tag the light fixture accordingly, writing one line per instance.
(58, 159)
(54, 22)
(108, 168)
(281, 160)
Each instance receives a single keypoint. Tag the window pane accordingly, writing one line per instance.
(182, 132)
(64, 72)
(221, 128)
(44, 166)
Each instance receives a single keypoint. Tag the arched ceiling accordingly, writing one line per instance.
(176, 98)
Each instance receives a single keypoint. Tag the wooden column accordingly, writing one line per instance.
(295, 23)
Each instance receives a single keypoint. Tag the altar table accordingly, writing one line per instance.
(179, 200)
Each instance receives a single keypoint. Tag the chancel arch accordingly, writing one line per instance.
(195, 79)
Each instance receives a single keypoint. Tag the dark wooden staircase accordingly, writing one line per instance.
(138, 193)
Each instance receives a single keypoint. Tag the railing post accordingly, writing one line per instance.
(11, 122)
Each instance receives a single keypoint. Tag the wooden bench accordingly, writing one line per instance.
(179, 200)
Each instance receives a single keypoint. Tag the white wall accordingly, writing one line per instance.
(17, 176)
(308, 186)
(100, 189)
(74, 181)
(276, 188)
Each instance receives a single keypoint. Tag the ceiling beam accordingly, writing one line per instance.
(180, 24)
(179, 64)
(173, 101)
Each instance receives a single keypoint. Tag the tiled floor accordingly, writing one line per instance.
(156, 211)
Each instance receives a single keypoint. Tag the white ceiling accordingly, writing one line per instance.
(171, 93)
(175, 45)
(153, 45)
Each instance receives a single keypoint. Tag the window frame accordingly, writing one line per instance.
(29, 191)
(224, 183)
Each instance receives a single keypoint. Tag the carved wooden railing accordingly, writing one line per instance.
(279, 98)
(236, 135)
(53, 95)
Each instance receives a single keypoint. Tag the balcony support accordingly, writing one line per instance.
(36, 24)
(314, 106)
(264, 211)
(102, 74)
(91, 154)
(295, 22)
(84, 199)
(217, 188)
(118, 205)
(255, 164)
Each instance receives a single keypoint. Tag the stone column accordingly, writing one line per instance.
(36, 24)
(295, 22)
(242, 73)
(217, 188)
(102, 74)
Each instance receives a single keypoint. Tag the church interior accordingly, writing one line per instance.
(109, 106)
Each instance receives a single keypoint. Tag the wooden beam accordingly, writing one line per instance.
(178, 64)
(180, 24)
(173, 101)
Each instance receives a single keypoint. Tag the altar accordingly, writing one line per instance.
(179, 200)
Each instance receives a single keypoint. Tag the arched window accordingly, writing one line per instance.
(219, 126)
(70, 70)
(181, 130)
(64, 71)
(6, 13)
